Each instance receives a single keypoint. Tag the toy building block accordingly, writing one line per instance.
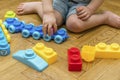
(16, 27)
(10, 14)
(46, 53)
(29, 58)
(28, 30)
(59, 37)
(74, 59)
(5, 31)
(9, 21)
(4, 46)
(38, 33)
(107, 51)
(88, 53)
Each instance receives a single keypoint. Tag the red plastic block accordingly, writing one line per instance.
(74, 59)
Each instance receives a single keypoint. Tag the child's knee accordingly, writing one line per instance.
(75, 26)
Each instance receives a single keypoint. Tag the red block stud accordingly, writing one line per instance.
(74, 59)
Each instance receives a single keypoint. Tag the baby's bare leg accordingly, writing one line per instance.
(74, 24)
(36, 7)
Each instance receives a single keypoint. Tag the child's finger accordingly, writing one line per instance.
(85, 18)
(81, 12)
(45, 29)
(79, 9)
(49, 29)
(55, 28)
(83, 15)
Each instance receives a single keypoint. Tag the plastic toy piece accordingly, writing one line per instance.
(10, 14)
(28, 30)
(88, 53)
(9, 21)
(74, 59)
(16, 27)
(5, 31)
(29, 58)
(4, 46)
(107, 51)
(46, 53)
(38, 33)
(59, 37)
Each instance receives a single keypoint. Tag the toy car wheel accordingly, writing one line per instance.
(36, 35)
(11, 29)
(58, 39)
(25, 33)
(47, 38)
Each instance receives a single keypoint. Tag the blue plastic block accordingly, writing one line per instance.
(28, 30)
(9, 21)
(38, 33)
(29, 58)
(59, 37)
(16, 27)
(4, 46)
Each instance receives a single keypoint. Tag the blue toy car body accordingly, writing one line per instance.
(60, 36)
(9, 21)
(38, 32)
(16, 27)
(28, 30)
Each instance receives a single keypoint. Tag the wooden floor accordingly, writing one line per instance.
(100, 69)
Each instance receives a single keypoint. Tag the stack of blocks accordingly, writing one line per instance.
(4, 39)
(74, 59)
(14, 25)
(101, 50)
(39, 57)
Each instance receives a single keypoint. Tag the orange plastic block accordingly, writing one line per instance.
(107, 51)
(46, 53)
(88, 53)
(5, 31)
(10, 14)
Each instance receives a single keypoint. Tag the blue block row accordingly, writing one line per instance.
(29, 58)
(4, 45)
(14, 26)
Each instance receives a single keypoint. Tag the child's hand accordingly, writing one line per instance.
(84, 12)
(49, 23)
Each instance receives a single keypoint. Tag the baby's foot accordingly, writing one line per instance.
(28, 8)
(112, 19)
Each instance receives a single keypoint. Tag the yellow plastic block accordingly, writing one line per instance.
(88, 53)
(10, 14)
(46, 53)
(107, 51)
(5, 31)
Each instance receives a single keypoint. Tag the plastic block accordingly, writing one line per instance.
(10, 14)
(38, 32)
(5, 31)
(28, 30)
(107, 51)
(88, 53)
(59, 37)
(9, 21)
(46, 53)
(16, 27)
(74, 59)
(4, 46)
(29, 58)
